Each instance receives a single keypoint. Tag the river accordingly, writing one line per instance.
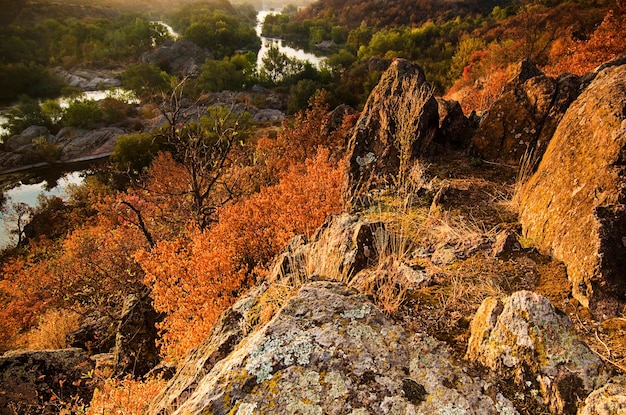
(266, 42)
(54, 180)
(47, 182)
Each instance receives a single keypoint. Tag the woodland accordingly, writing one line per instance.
(194, 212)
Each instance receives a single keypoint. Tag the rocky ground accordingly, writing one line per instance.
(435, 295)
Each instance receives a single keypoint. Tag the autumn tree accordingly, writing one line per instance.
(607, 42)
(206, 150)
(196, 277)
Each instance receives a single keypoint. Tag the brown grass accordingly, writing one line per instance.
(51, 331)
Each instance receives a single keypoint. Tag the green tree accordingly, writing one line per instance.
(134, 152)
(220, 75)
(142, 78)
(26, 113)
(84, 114)
(300, 94)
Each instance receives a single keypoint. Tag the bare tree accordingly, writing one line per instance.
(17, 216)
(206, 143)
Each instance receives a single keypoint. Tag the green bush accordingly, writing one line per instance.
(134, 152)
(84, 114)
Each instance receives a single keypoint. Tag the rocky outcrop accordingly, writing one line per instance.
(88, 79)
(180, 57)
(96, 334)
(573, 207)
(76, 143)
(268, 115)
(42, 382)
(125, 344)
(397, 125)
(455, 129)
(328, 350)
(523, 119)
(69, 145)
(525, 340)
(610, 399)
(136, 351)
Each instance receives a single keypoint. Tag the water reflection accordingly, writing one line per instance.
(27, 187)
(266, 42)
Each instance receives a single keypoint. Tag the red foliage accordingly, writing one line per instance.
(578, 57)
(194, 279)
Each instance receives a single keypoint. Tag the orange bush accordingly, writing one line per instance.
(194, 279)
(91, 269)
(299, 139)
(126, 396)
(579, 57)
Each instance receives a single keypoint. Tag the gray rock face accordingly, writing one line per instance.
(269, 115)
(342, 247)
(86, 143)
(182, 57)
(397, 125)
(327, 351)
(88, 80)
(26, 138)
(525, 116)
(524, 339)
(573, 207)
(36, 382)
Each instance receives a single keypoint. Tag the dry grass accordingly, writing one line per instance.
(526, 169)
(125, 396)
(51, 331)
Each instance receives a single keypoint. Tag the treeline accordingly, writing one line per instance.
(28, 51)
(441, 36)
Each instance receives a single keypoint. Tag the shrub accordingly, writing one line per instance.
(125, 396)
(194, 279)
(134, 152)
(52, 330)
(84, 114)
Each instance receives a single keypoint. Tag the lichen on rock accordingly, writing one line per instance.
(330, 351)
(524, 339)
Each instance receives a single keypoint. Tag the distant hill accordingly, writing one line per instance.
(383, 13)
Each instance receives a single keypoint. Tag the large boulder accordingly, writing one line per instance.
(327, 351)
(397, 125)
(573, 207)
(523, 119)
(42, 382)
(525, 340)
(84, 144)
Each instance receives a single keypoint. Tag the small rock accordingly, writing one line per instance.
(523, 338)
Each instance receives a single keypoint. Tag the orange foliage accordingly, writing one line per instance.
(126, 396)
(299, 139)
(193, 280)
(92, 269)
(95, 268)
(579, 57)
(482, 82)
(22, 298)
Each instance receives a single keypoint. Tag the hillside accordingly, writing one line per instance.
(417, 253)
(377, 13)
